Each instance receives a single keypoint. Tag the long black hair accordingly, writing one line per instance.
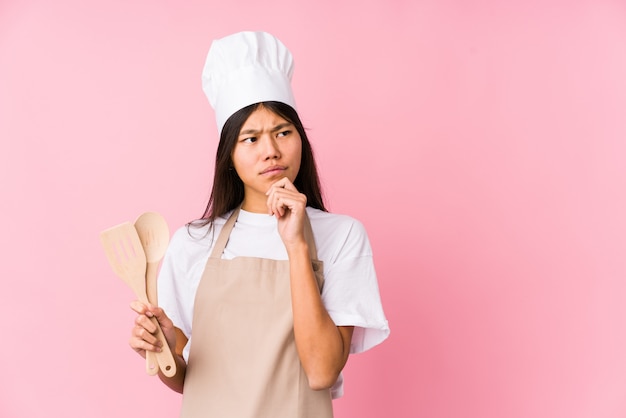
(228, 191)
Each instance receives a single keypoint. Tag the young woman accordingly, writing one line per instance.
(264, 298)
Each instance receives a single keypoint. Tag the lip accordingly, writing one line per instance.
(274, 169)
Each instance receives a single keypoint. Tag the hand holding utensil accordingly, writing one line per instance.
(126, 256)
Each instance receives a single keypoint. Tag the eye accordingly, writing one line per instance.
(249, 140)
(283, 133)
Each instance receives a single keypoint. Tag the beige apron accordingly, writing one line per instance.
(243, 361)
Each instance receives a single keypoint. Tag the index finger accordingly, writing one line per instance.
(138, 307)
(283, 183)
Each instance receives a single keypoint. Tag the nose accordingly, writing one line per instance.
(270, 148)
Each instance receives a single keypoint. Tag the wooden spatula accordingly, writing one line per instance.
(154, 235)
(127, 258)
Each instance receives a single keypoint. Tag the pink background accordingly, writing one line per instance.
(481, 143)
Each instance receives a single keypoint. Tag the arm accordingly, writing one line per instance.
(143, 338)
(323, 347)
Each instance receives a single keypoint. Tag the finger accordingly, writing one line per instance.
(277, 203)
(143, 308)
(283, 183)
(281, 203)
(150, 311)
(280, 199)
(294, 201)
(271, 197)
(144, 322)
(139, 351)
(160, 316)
(138, 307)
(147, 334)
(141, 346)
(271, 201)
(167, 326)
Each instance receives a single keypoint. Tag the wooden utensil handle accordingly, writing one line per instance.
(165, 358)
(152, 363)
(152, 367)
(151, 282)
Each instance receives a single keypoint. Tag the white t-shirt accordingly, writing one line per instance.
(350, 292)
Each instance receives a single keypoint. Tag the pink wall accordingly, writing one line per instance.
(482, 145)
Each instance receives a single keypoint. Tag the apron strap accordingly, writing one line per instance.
(220, 244)
(222, 239)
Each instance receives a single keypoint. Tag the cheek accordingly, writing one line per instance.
(239, 160)
(296, 150)
(297, 156)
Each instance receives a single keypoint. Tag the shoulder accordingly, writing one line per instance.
(193, 237)
(319, 217)
(339, 233)
(334, 221)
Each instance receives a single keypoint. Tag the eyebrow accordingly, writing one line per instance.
(274, 129)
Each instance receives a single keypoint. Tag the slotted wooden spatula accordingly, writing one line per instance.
(127, 258)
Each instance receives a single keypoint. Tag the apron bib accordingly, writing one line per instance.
(243, 361)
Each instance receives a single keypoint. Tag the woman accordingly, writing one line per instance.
(265, 297)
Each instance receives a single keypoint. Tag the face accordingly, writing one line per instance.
(268, 149)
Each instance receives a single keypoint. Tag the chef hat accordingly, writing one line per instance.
(246, 68)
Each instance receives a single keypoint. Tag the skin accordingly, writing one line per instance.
(267, 159)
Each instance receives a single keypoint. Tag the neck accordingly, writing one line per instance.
(257, 204)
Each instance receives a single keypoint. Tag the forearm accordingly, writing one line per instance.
(177, 381)
(322, 347)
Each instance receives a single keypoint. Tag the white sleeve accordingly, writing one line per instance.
(167, 284)
(177, 281)
(350, 293)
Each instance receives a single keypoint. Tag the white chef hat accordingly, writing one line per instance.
(246, 68)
